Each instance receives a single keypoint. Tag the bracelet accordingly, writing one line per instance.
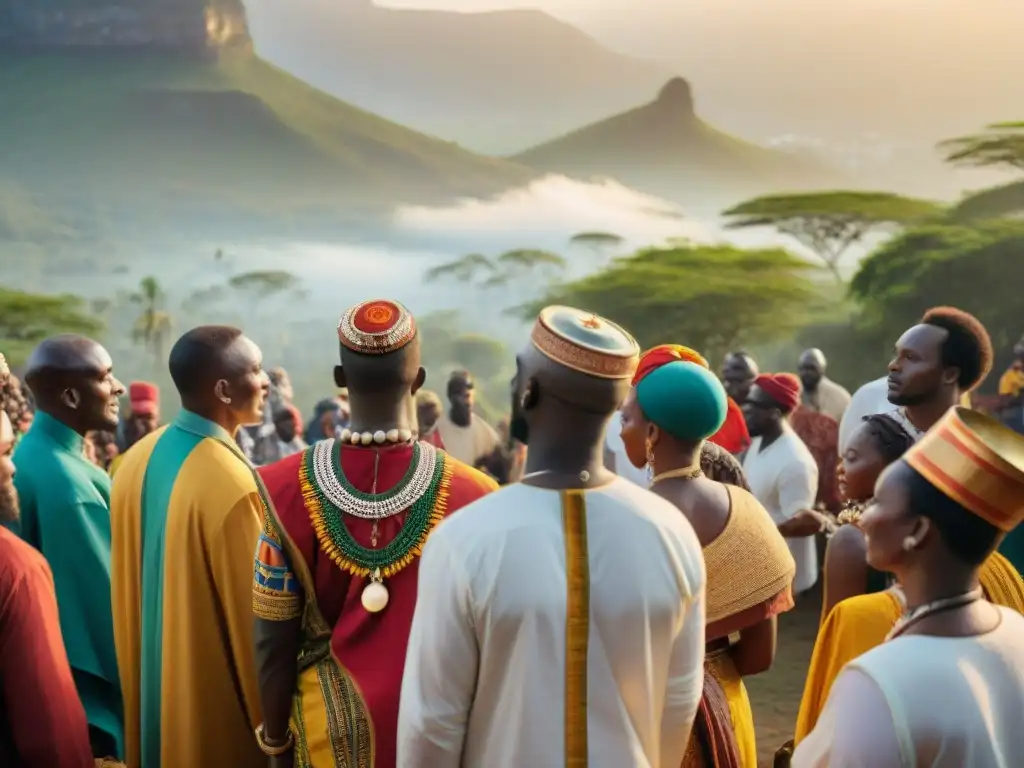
(273, 750)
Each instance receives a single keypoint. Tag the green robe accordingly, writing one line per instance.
(65, 514)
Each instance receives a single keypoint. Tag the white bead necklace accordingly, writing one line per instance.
(379, 437)
(373, 508)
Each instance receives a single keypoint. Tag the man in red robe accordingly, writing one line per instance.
(42, 722)
(336, 567)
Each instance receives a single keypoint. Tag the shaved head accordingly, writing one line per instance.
(72, 379)
(814, 357)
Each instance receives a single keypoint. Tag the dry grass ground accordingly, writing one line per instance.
(775, 695)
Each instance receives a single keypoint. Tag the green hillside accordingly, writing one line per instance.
(145, 129)
(665, 148)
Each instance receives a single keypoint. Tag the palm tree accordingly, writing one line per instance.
(153, 326)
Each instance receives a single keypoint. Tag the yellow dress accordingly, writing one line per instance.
(750, 574)
(858, 624)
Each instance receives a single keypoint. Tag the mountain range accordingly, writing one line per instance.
(494, 81)
(665, 148)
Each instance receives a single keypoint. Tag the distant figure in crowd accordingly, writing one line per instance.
(326, 421)
(821, 394)
(282, 383)
(738, 373)
(186, 518)
(143, 418)
(1011, 391)
(946, 688)
(65, 514)
(428, 412)
(18, 405)
(287, 422)
(42, 722)
(781, 471)
(466, 436)
(675, 404)
(537, 640)
(337, 563)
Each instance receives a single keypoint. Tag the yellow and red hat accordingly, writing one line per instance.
(976, 461)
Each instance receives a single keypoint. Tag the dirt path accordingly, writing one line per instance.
(775, 695)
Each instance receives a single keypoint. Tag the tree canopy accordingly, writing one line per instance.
(712, 298)
(1000, 144)
(828, 223)
(976, 268)
(26, 319)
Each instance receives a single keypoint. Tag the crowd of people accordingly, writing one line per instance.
(396, 582)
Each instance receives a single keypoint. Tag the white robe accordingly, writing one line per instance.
(485, 676)
(926, 702)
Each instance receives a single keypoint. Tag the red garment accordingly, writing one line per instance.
(434, 438)
(42, 722)
(784, 388)
(733, 435)
(371, 646)
(820, 434)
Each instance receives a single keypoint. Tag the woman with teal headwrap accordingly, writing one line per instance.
(676, 403)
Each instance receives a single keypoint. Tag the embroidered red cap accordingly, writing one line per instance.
(376, 327)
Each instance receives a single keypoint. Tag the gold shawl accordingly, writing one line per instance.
(749, 563)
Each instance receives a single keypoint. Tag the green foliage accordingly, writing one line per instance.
(262, 284)
(976, 268)
(597, 239)
(1000, 144)
(991, 203)
(829, 223)
(26, 319)
(152, 328)
(501, 272)
(712, 298)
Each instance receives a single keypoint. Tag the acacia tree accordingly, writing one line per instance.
(514, 273)
(976, 268)
(713, 298)
(26, 319)
(1000, 145)
(829, 223)
(600, 244)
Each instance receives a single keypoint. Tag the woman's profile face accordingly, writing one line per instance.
(634, 431)
(888, 520)
(861, 465)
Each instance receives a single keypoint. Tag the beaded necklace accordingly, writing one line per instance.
(423, 513)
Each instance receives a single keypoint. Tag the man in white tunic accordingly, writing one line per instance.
(781, 472)
(561, 623)
(821, 394)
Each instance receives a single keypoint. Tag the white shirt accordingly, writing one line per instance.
(784, 478)
(623, 466)
(927, 702)
(468, 444)
(870, 399)
(484, 683)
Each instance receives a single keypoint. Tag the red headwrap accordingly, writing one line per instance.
(733, 436)
(655, 357)
(144, 398)
(784, 388)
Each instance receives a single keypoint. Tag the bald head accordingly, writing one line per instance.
(738, 373)
(811, 368)
(72, 379)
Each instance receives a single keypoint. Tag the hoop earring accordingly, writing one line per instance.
(909, 543)
(226, 400)
(649, 447)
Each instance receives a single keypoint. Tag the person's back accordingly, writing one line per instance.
(42, 723)
(954, 701)
(646, 627)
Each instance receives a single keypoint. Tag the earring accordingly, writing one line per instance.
(649, 447)
(226, 400)
(909, 543)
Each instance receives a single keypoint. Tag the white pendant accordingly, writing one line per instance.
(379, 437)
(375, 597)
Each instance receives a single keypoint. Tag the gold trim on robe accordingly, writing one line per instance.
(577, 626)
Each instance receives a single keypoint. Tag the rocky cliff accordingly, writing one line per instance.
(191, 26)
